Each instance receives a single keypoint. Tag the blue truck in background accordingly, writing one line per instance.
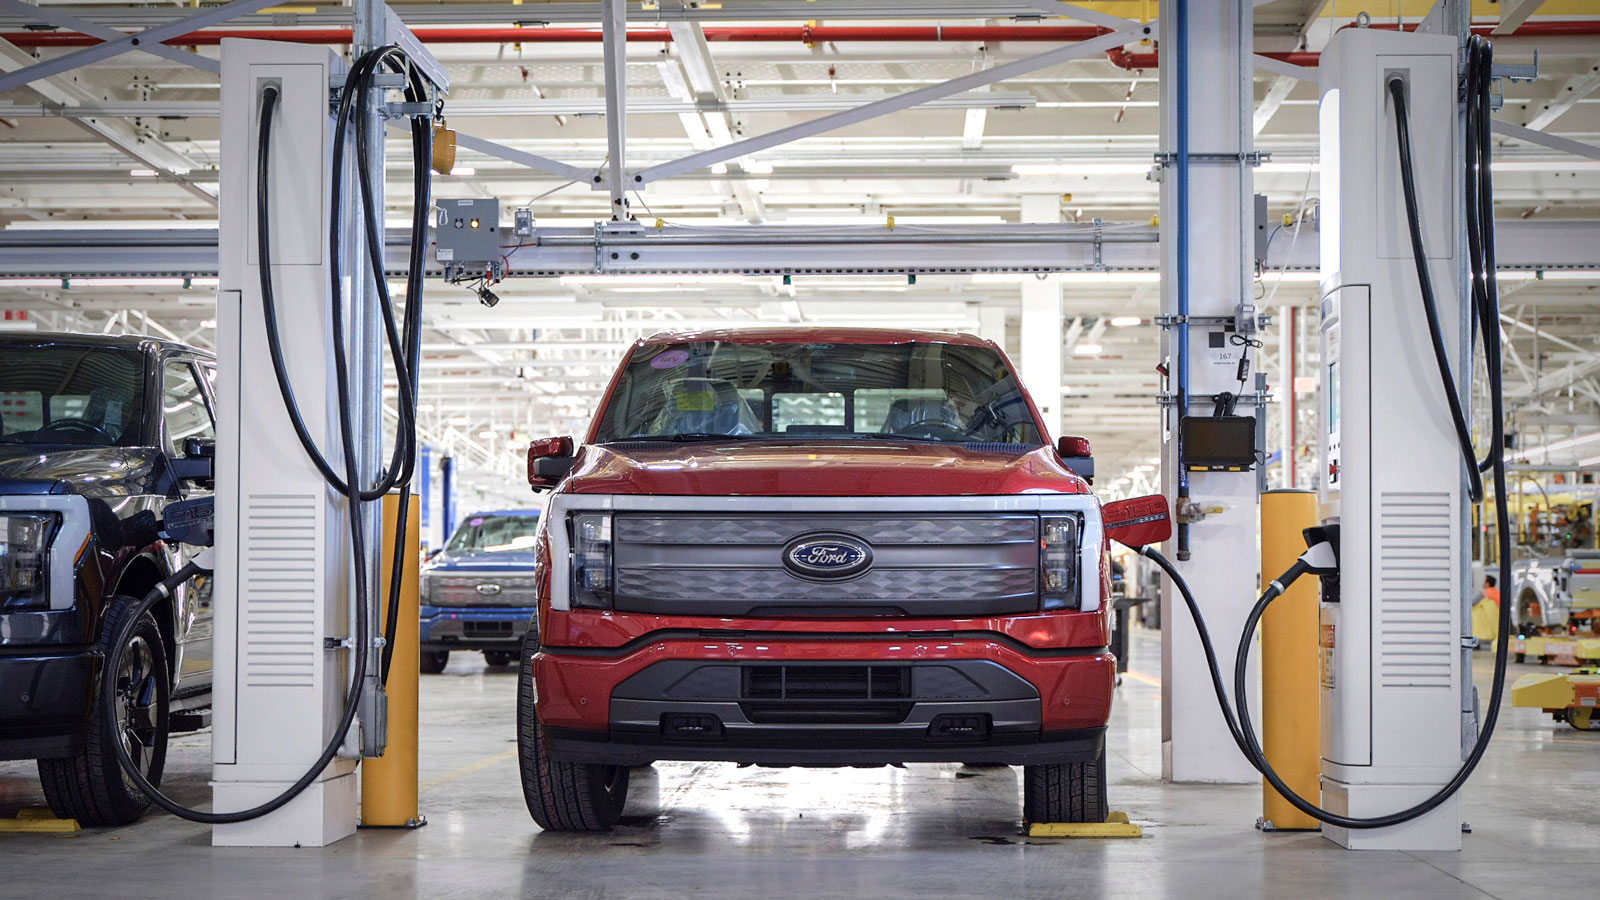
(478, 592)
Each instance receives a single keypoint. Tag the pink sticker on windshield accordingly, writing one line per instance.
(669, 359)
(475, 522)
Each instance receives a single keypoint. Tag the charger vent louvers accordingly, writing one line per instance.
(278, 570)
(1416, 591)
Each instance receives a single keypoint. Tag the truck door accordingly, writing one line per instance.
(186, 412)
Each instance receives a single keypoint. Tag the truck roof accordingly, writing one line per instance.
(817, 335)
(110, 341)
(531, 513)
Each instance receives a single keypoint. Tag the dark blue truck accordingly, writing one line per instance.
(478, 593)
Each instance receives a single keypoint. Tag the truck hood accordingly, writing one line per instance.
(813, 468)
(479, 561)
(90, 471)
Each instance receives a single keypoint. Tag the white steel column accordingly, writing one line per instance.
(1221, 566)
(1040, 329)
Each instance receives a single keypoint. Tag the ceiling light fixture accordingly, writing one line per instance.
(1087, 350)
(143, 173)
(1126, 321)
(463, 171)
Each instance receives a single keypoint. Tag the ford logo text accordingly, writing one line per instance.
(827, 557)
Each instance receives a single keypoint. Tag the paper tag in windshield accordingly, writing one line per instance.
(695, 401)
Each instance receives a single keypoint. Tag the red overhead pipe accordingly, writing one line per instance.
(1580, 28)
(806, 34)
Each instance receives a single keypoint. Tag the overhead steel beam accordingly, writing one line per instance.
(127, 43)
(615, 25)
(145, 148)
(1567, 96)
(1553, 141)
(693, 54)
(520, 157)
(566, 106)
(1514, 12)
(589, 11)
(764, 250)
(61, 19)
(907, 100)
(1279, 67)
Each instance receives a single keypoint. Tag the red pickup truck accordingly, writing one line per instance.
(815, 547)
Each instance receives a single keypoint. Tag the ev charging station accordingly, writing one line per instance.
(1395, 718)
(285, 641)
(281, 531)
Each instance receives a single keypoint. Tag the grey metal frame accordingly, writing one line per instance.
(130, 42)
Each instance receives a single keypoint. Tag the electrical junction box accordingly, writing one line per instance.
(467, 238)
(1396, 707)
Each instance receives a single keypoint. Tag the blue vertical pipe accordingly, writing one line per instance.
(425, 495)
(447, 498)
(1181, 65)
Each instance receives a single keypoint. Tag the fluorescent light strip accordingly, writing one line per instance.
(638, 280)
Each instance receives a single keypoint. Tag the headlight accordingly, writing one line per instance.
(1059, 562)
(24, 543)
(591, 560)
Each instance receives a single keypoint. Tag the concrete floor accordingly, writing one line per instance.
(714, 830)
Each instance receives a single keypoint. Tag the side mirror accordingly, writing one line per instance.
(1137, 521)
(196, 463)
(549, 461)
(1077, 456)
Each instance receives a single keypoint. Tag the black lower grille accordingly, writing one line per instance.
(827, 682)
(486, 629)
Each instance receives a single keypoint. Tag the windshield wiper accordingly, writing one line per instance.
(891, 436)
(690, 436)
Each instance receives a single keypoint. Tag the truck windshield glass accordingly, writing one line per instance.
(494, 534)
(924, 391)
(54, 394)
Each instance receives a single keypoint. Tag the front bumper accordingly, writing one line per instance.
(44, 703)
(475, 628)
(825, 701)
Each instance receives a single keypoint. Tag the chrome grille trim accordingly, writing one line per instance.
(562, 505)
(453, 588)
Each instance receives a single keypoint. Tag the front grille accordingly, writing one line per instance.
(463, 590)
(926, 565)
(826, 694)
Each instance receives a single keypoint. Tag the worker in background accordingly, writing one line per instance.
(1486, 614)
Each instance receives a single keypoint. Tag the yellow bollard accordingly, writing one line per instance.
(1290, 694)
(389, 783)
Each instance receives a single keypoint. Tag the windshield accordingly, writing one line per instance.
(91, 396)
(924, 391)
(494, 534)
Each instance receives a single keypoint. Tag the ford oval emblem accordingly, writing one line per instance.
(827, 557)
(488, 589)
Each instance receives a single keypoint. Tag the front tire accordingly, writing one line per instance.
(1065, 792)
(90, 786)
(434, 661)
(561, 796)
